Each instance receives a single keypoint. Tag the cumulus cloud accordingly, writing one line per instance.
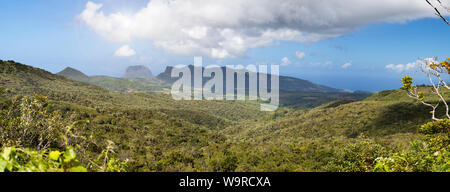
(402, 67)
(285, 61)
(422, 63)
(125, 51)
(300, 55)
(228, 28)
(347, 65)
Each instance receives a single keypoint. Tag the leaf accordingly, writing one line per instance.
(69, 155)
(54, 155)
(3, 165)
(7, 151)
(78, 169)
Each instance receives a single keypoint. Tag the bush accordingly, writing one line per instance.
(357, 157)
(27, 123)
(226, 161)
(29, 131)
(27, 160)
(428, 155)
(440, 126)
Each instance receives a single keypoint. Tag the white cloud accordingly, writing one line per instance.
(422, 63)
(285, 61)
(300, 55)
(401, 67)
(125, 51)
(347, 65)
(228, 28)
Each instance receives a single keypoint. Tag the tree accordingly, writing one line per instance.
(434, 71)
(436, 10)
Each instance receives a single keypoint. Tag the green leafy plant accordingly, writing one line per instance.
(428, 155)
(14, 159)
(440, 126)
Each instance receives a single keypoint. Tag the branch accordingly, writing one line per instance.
(413, 94)
(438, 13)
(445, 7)
(436, 90)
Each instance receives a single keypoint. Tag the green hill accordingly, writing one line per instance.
(142, 125)
(74, 74)
(295, 93)
(287, 84)
(152, 132)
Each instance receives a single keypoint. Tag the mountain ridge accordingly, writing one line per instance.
(156, 133)
(138, 71)
(294, 92)
(286, 83)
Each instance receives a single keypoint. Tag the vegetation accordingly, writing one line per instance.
(430, 153)
(295, 93)
(81, 127)
(124, 85)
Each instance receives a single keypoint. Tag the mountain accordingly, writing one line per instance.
(142, 126)
(153, 132)
(287, 84)
(294, 92)
(74, 74)
(138, 71)
(150, 85)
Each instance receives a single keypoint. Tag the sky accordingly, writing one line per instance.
(347, 44)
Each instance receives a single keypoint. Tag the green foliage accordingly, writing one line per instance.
(431, 153)
(428, 155)
(225, 161)
(106, 162)
(357, 157)
(434, 127)
(407, 82)
(2, 91)
(111, 131)
(125, 85)
(313, 99)
(14, 159)
(28, 124)
(421, 96)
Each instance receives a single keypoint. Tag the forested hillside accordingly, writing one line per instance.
(294, 92)
(125, 85)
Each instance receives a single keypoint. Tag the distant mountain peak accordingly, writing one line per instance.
(73, 74)
(138, 71)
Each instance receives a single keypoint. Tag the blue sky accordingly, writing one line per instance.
(47, 34)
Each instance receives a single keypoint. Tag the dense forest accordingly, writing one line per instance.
(52, 123)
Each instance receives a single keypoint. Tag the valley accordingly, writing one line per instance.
(149, 131)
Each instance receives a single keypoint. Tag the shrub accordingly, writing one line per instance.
(28, 132)
(226, 161)
(440, 126)
(27, 160)
(357, 157)
(428, 155)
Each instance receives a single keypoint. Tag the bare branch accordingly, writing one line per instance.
(436, 90)
(438, 13)
(414, 94)
(444, 7)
